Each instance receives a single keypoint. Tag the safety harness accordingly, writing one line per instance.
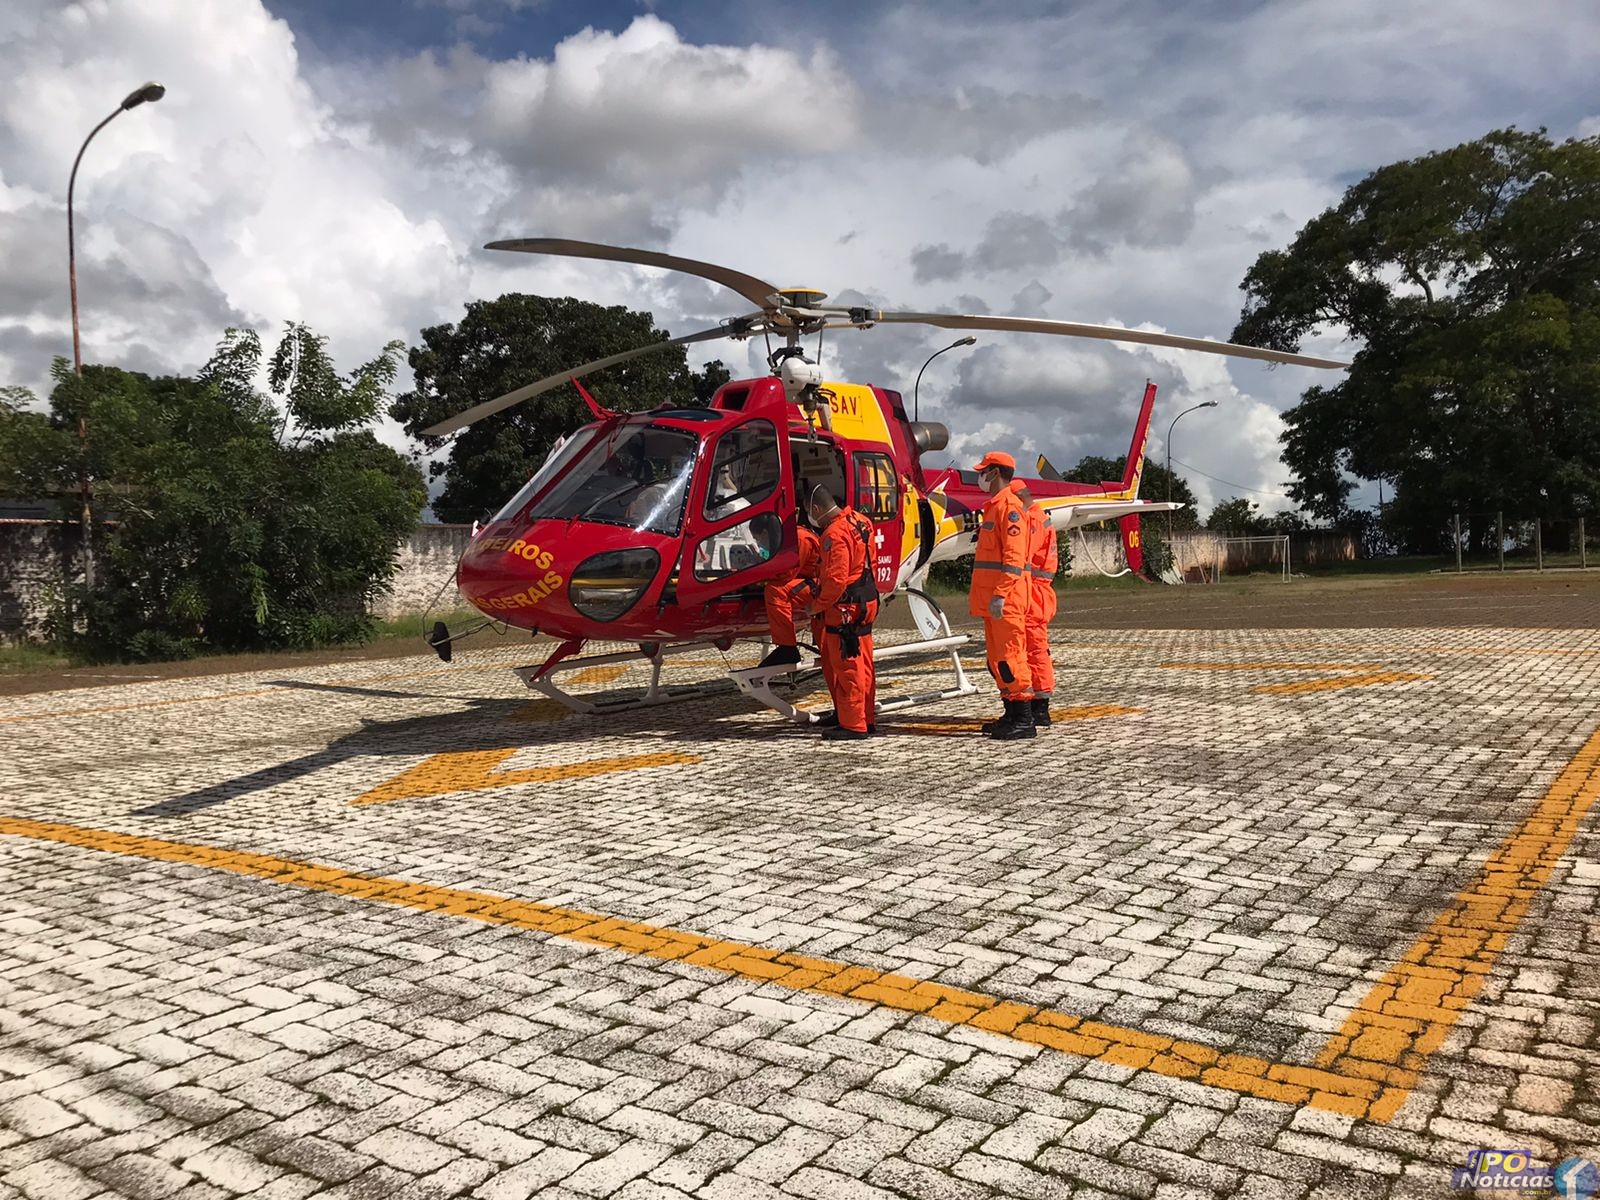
(860, 593)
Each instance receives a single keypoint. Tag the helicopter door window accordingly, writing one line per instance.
(817, 464)
(731, 550)
(637, 476)
(877, 492)
(744, 470)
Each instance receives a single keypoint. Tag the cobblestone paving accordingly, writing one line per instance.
(1227, 875)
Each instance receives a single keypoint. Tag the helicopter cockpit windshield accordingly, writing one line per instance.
(637, 477)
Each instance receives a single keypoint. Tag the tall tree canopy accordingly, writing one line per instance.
(233, 519)
(499, 346)
(1471, 277)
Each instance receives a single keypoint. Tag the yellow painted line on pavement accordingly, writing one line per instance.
(1270, 666)
(601, 674)
(85, 712)
(475, 770)
(267, 691)
(1366, 1070)
(1342, 681)
(759, 964)
(1342, 648)
(1369, 675)
(1408, 1014)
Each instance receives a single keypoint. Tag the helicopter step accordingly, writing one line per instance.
(756, 682)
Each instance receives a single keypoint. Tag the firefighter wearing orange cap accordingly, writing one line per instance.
(1001, 591)
(845, 596)
(1043, 563)
(780, 601)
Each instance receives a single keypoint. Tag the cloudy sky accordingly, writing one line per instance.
(342, 162)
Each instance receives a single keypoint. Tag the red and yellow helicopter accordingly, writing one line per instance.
(659, 528)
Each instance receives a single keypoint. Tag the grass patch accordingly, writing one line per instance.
(415, 625)
(28, 657)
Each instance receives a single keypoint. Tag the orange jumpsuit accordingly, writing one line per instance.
(1001, 590)
(846, 598)
(1042, 566)
(780, 592)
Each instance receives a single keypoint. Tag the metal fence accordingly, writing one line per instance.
(1501, 542)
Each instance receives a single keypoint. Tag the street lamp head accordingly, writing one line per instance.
(1209, 404)
(968, 341)
(151, 91)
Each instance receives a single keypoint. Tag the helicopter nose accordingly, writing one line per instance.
(547, 572)
(502, 572)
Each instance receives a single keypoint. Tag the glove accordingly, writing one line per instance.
(997, 608)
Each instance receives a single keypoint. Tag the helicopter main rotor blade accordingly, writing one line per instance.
(550, 382)
(757, 291)
(1110, 333)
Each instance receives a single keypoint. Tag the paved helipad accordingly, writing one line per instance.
(1266, 913)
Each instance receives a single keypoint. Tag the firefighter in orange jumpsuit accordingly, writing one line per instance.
(845, 596)
(780, 601)
(1001, 591)
(1043, 563)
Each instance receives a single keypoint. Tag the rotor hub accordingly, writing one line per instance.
(801, 297)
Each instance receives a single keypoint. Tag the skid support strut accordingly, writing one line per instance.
(541, 679)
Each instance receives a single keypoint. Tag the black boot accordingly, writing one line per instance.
(845, 735)
(827, 720)
(990, 727)
(1018, 725)
(781, 656)
(1041, 712)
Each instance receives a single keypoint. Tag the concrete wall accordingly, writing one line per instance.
(1200, 549)
(37, 560)
(1098, 551)
(427, 563)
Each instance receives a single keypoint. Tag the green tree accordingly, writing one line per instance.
(1238, 517)
(236, 519)
(711, 377)
(503, 344)
(1471, 279)
(33, 452)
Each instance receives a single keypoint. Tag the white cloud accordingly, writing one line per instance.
(954, 164)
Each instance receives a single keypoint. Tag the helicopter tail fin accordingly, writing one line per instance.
(1134, 471)
(1132, 552)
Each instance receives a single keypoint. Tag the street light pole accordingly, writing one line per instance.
(1185, 412)
(150, 92)
(916, 389)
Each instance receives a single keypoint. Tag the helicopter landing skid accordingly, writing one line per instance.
(654, 692)
(756, 682)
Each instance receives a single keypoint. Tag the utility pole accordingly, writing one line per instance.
(150, 92)
(1171, 544)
